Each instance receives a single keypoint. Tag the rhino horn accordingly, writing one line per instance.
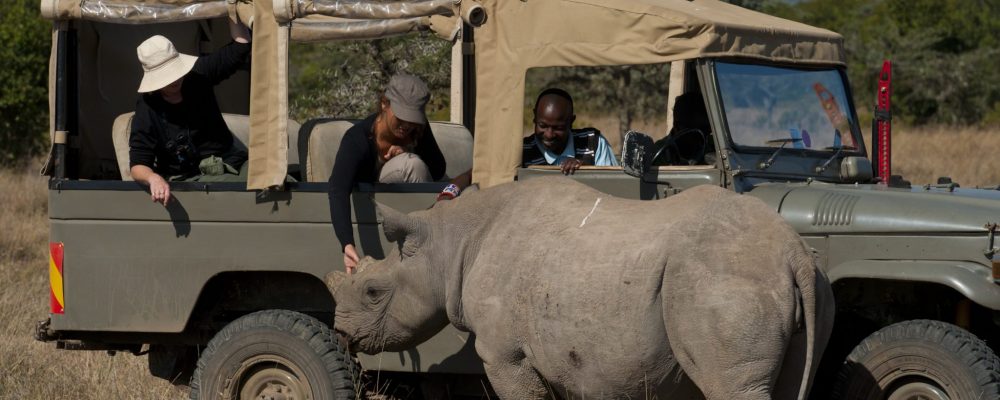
(333, 281)
(408, 230)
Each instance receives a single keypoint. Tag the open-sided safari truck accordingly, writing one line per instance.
(231, 274)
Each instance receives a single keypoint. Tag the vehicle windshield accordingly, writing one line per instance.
(766, 104)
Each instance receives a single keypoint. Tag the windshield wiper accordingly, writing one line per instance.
(770, 160)
(821, 168)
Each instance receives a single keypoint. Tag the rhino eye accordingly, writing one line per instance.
(371, 292)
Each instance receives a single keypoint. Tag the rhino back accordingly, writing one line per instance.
(573, 277)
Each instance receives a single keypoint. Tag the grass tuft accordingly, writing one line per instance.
(35, 370)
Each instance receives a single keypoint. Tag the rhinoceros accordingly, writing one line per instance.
(574, 291)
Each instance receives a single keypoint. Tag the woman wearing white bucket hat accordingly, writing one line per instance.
(393, 145)
(178, 132)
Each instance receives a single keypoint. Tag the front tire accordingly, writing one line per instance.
(920, 359)
(274, 354)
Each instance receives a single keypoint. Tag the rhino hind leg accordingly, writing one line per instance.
(728, 337)
(726, 371)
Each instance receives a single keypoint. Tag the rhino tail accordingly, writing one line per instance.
(813, 289)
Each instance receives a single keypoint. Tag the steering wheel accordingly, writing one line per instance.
(684, 147)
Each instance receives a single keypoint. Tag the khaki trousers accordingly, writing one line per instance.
(405, 168)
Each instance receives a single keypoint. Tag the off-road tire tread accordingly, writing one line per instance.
(340, 365)
(973, 353)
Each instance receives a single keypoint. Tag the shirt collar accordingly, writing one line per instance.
(550, 157)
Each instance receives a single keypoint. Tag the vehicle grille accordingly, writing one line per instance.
(835, 209)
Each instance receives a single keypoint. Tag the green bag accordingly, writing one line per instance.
(214, 166)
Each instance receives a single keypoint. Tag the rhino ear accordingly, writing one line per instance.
(395, 224)
(407, 230)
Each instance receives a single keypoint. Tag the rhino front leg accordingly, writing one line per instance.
(516, 381)
(511, 375)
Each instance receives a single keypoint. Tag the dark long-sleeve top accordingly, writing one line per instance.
(172, 138)
(355, 163)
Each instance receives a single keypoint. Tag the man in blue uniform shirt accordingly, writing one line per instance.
(555, 142)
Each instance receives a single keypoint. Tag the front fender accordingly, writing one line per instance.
(974, 281)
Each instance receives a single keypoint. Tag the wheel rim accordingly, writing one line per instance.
(918, 390)
(269, 377)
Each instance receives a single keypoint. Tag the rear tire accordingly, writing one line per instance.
(274, 354)
(920, 359)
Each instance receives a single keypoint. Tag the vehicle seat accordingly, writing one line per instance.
(322, 140)
(238, 124)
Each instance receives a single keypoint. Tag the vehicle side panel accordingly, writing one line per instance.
(133, 266)
(665, 181)
(969, 279)
(145, 276)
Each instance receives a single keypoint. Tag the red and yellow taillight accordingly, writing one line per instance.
(56, 277)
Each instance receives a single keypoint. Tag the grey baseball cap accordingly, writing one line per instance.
(408, 96)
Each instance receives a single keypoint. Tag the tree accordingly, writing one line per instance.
(943, 53)
(24, 51)
(344, 79)
(751, 4)
(633, 92)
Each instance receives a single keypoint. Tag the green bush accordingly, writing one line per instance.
(24, 59)
(344, 78)
(944, 52)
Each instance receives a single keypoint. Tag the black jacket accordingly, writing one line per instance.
(355, 163)
(172, 138)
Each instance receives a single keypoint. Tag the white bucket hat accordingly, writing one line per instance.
(161, 63)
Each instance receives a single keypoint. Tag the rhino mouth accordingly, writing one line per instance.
(345, 338)
(344, 342)
(358, 337)
(352, 342)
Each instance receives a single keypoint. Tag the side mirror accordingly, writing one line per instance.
(856, 169)
(637, 153)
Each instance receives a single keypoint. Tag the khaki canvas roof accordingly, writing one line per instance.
(524, 34)
(517, 36)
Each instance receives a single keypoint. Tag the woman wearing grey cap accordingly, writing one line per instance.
(393, 145)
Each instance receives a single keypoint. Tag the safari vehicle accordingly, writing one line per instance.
(224, 288)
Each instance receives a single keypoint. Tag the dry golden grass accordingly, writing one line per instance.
(35, 370)
(967, 155)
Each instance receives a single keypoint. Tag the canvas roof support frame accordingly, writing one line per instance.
(305, 20)
(613, 32)
(517, 36)
(146, 11)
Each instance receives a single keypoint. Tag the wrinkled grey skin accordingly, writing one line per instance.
(590, 296)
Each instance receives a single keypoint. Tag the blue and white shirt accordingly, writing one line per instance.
(586, 145)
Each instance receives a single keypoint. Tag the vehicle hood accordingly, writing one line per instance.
(831, 208)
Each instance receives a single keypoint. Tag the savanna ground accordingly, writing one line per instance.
(33, 370)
